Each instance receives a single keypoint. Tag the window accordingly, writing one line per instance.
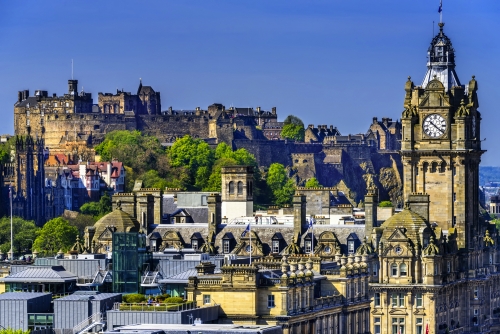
(448, 266)
(55, 104)
(476, 292)
(376, 327)
(307, 245)
(206, 299)
(249, 249)
(398, 325)
(194, 244)
(276, 246)
(240, 188)
(231, 187)
(402, 269)
(394, 269)
(270, 301)
(418, 299)
(454, 197)
(398, 300)
(225, 246)
(375, 269)
(377, 299)
(419, 327)
(350, 245)
(67, 104)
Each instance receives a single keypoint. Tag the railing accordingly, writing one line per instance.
(151, 277)
(94, 318)
(98, 278)
(154, 307)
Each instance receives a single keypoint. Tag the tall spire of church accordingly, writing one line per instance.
(441, 61)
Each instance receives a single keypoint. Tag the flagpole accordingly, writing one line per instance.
(312, 236)
(11, 226)
(251, 247)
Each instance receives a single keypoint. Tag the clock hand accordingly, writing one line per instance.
(437, 128)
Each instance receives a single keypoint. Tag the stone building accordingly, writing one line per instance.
(388, 133)
(435, 265)
(146, 101)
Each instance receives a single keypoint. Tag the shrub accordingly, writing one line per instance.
(385, 204)
(174, 300)
(134, 298)
(161, 298)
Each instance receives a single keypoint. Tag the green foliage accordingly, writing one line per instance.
(5, 150)
(151, 179)
(97, 209)
(281, 186)
(161, 298)
(56, 234)
(134, 298)
(138, 151)
(81, 221)
(196, 156)
(313, 183)
(24, 234)
(13, 331)
(174, 300)
(214, 181)
(385, 204)
(293, 128)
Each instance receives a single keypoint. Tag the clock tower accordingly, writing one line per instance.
(441, 146)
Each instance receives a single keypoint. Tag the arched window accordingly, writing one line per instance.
(402, 269)
(240, 188)
(231, 187)
(442, 168)
(394, 269)
(434, 167)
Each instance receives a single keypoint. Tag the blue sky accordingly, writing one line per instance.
(328, 62)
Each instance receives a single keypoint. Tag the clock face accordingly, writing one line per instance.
(434, 126)
(398, 250)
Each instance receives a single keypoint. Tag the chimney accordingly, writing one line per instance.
(419, 203)
(258, 109)
(214, 213)
(299, 216)
(375, 120)
(19, 96)
(205, 268)
(274, 110)
(371, 203)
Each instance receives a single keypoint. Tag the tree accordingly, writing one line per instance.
(80, 221)
(281, 186)
(24, 234)
(313, 183)
(293, 128)
(151, 179)
(97, 209)
(56, 234)
(385, 204)
(196, 156)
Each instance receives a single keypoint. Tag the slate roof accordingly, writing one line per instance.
(79, 295)
(22, 295)
(42, 274)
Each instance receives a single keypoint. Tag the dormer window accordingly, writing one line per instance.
(225, 247)
(350, 247)
(276, 246)
(194, 244)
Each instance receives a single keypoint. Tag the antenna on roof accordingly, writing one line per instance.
(71, 69)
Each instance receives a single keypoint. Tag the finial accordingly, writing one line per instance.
(473, 77)
(140, 80)
(409, 78)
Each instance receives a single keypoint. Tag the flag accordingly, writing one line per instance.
(247, 229)
(311, 222)
(440, 9)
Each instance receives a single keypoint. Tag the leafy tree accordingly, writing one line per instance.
(151, 179)
(385, 204)
(281, 186)
(138, 151)
(97, 209)
(214, 181)
(313, 183)
(24, 234)
(5, 150)
(293, 128)
(196, 156)
(81, 221)
(276, 176)
(284, 195)
(56, 234)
